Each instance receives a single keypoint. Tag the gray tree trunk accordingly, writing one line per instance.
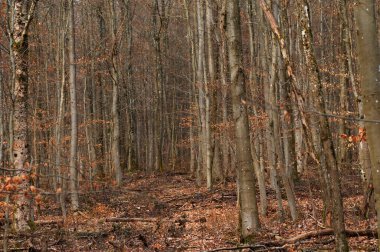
(246, 180)
(369, 72)
(210, 94)
(256, 153)
(73, 111)
(201, 91)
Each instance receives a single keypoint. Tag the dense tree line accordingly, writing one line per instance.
(271, 92)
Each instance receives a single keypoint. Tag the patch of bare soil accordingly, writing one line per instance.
(167, 212)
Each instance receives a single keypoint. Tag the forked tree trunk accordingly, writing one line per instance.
(369, 72)
(246, 180)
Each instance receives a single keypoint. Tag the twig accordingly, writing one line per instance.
(131, 220)
(237, 248)
(318, 222)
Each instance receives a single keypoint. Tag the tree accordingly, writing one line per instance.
(325, 135)
(115, 97)
(246, 181)
(369, 62)
(73, 110)
(210, 94)
(23, 13)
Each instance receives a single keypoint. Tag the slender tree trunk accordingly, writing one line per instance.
(115, 100)
(255, 151)
(131, 132)
(223, 69)
(73, 111)
(60, 109)
(12, 77)
(159, 82)
(210, 94)
(271, 136)
(325, 132)
(89, 140)
(192, 69)
(1, 117)
(369, 72)
(246, 182)
(283, 154)
(201, 89)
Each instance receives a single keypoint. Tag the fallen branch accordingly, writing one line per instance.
(319, 233)
(236, 248)
(131, 220)
(37, 222)
(282, 244)
(48, 222)
(16, 249)
(83, 234)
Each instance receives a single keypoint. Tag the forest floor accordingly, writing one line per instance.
(168, 212)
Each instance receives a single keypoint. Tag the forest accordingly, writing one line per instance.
(189, 125)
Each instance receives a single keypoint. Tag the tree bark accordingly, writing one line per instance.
(246, 181)
(369, 72)
(255, 147)
(73, 111)
(23, 13)
(333, 175)
(201, 91)
(210, 94)
(115, 99)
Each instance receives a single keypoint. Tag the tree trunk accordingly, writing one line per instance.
(369, 72)
(201, 91)
(223, 69)
(1, 118)
(271, 136)
(210, 94)
(115, 100)
(333, 175)
(253, 86)
(23, 12)
(192, 69)
(60, 113)
(73, 111)
(247, 191)
(158, 27)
